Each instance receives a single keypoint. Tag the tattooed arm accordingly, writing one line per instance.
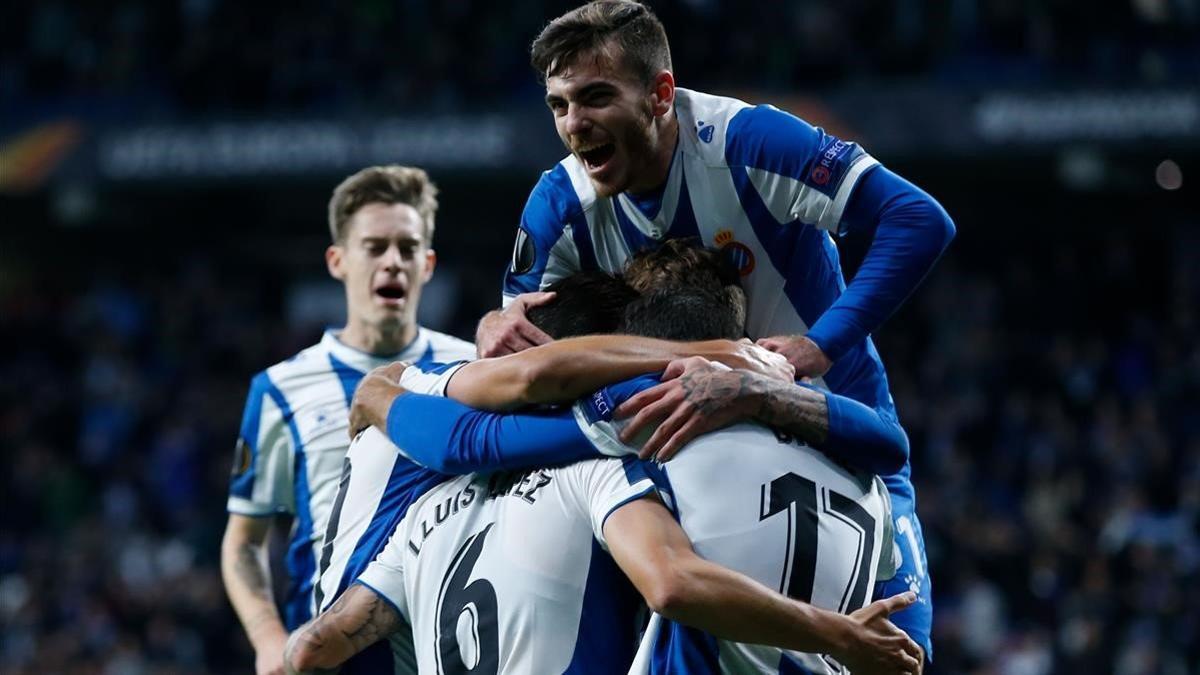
(247, 577)
(357, 620)
(698, 396)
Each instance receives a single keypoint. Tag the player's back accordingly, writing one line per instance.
(783, 514)
(506, 573)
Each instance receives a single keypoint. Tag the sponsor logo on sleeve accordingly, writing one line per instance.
(241, 457)
(599, 407)
(523, 255)
(829, 163)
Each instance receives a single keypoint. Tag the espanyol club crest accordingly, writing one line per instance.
(738, 253)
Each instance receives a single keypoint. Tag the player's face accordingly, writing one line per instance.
(606, 119)
(384, 263)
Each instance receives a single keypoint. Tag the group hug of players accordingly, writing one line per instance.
(621, 482)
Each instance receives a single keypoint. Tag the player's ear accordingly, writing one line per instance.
(662, 93)
(333, 262)
(430, 263)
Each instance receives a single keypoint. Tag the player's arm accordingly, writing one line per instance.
(697, 397)
(255, 495)
(910, 232)
(836, 186)
(653, 551)
(446, 436)
(246, 573)
(563, 371)
(359, 618)
(449, 437)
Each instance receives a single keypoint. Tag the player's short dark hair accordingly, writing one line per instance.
(681, 313)
(383, 185)
(585, 303)
(624, 32)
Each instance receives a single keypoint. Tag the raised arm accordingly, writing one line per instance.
(565, 370)
(654, 552)
(697, 397)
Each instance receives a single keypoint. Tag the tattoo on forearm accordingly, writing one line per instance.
(249, 570)
(795, 410)
(712, 390)
(367, 625)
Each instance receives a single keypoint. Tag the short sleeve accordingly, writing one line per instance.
(800, 172)
(431, 378)
(261, 480)
(609, 484)
(595, 415)
(545, 249)
(385, 574)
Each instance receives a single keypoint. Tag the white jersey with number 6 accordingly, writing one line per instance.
(507, 573)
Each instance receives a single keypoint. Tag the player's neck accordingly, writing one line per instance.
(375, 339)
(660, 164)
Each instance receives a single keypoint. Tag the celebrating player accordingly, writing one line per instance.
(537, 584)
(293, 434)
(651, 162)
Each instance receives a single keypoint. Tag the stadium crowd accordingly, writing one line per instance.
(197, 56)
(1049, 395)
(1049, 391)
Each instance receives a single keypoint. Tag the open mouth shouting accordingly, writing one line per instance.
(596, 156)
(391, 293)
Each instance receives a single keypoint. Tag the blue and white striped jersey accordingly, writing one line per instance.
(377, 487)
(755, 181)
(293, 440)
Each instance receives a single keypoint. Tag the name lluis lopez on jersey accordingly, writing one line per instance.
(501, 484)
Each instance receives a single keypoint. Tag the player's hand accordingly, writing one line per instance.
(268, 659)
(804, 354)
(507, 331)
(373, 397)
(876, 645)
(761, 360)
(695, 397)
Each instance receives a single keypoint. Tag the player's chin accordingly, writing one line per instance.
(609, 183)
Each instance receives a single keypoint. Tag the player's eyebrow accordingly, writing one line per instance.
(593, 88)
(582, 92)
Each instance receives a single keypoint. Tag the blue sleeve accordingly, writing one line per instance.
(455, 439)
(911, 232)
(864, 438)
(243, 475)
(551, 206)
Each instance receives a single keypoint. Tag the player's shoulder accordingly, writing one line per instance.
(731, 132)
(286, 373)
(448, 348)
(704, 122)
(562, 194)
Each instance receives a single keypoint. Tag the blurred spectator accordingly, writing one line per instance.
(220, 56)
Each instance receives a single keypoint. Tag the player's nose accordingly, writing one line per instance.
(577, 121)
(393, 259)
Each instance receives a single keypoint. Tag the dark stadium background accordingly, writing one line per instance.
(164, 170)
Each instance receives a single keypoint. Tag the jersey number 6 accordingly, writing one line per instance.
(478, 601)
